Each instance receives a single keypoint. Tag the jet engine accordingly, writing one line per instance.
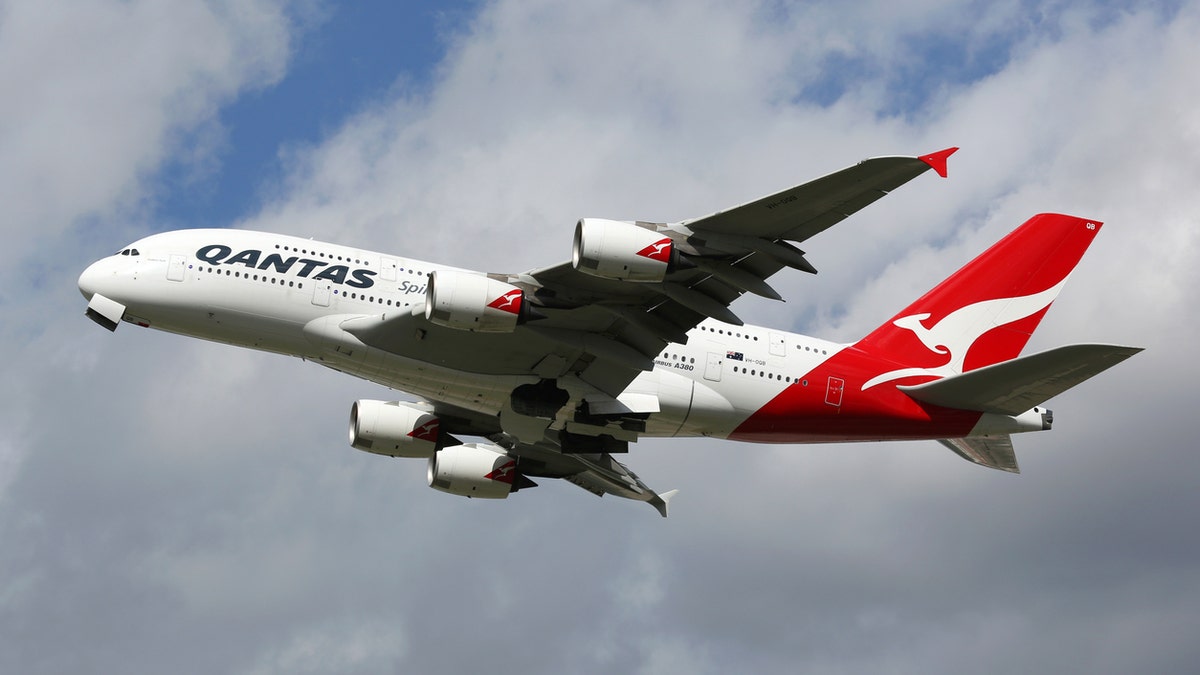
(395, 429)
(478, 470)
(467, 301)
(615, 250)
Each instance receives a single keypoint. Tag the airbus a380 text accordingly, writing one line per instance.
(554, 371)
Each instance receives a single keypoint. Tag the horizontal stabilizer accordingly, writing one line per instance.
(995, 452)
(1012, 387)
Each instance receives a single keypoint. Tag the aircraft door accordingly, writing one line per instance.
(778, 344)
(833, 392)
(387, 269)
(712, 369)
(321, 292)
(176, 268)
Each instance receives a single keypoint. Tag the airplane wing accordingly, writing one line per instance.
(809, 209)
(607, 330)
(598, 473)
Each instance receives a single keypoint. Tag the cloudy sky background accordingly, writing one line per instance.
(169, 505)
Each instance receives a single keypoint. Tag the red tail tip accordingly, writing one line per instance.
(937, 160)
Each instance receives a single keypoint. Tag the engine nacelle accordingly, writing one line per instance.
(622, 251)
(474, 302)
(473, 470)
(395, 429)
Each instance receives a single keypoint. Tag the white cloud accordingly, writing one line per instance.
(99, 94)
(366, 646)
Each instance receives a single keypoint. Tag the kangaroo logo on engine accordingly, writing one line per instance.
(660, 250)
(509, 302)
(427, 431)
(505, 473)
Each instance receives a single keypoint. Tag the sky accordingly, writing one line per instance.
(170, 505)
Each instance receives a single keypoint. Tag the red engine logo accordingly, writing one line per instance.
(660, 251)
(509, 302)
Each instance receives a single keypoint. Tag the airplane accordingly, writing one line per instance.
(556, 370)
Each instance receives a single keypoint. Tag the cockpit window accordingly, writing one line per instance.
(129, 251)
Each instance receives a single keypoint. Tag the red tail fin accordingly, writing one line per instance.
(985, 312)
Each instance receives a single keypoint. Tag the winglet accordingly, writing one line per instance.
(661, 502)
(937, 160)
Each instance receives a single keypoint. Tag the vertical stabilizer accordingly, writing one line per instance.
(986, 312)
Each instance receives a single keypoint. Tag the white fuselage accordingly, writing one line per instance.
(288, 295)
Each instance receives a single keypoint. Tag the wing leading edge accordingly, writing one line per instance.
(799, 213)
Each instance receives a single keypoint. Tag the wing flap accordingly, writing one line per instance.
(602, 475)
(1012, 387)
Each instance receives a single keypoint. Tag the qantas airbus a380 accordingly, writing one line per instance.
(557, 369)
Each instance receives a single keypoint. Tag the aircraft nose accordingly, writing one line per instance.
(90, 280)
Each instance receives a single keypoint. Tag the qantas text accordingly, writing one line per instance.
(220, 254)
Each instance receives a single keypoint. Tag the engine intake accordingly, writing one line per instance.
(395, 429)
(616, 250)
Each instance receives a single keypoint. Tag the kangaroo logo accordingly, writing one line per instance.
(660, 250)
(427, 431)
(505, 473)
(509, 302)
(959, 330)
